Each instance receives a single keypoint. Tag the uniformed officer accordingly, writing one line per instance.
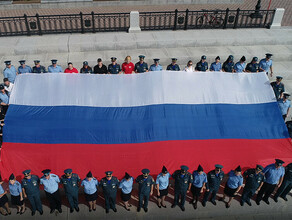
(233, 185)
(228, 64)
(38, 68)
(10, 72)
(284, 105)
(141, 66)
(86, 68)
(278, 87)
(16, 194)
(4, 200)
(4, 100)
(266, 64)
(54, 68)
(162, 183)
(114, 68)
(202, 65)
(109, 185)
(274, 174)
(253, 66)
(254, 179)
(216, 66)
(215, 178)
(239, 67)
(90, 190)
(127, 186)
(182, 185)
(71, 185)
(286, 186)
(156, 66)
(173, 66)
(145, 182)
(199, 182)
(30, 189)
(23, 68)
(51, 187)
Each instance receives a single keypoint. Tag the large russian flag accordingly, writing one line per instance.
(129, 122)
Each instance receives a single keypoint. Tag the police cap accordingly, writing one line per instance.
(230, 57)
(108, 173)
(156, 60)
(36, 61)
(200, 168)
(144, 171)
(259, 167)
(217, 58)
(218, 166)
(26, 172)
(1, 87)
(7, 62)
(85, 63)
(46, 172)
(203, 57)
(173, 59)
(68, 171)
(21, 62)
(11, 177)
(279, 77)
(141, 56)
(243, 59)
(238, 169)
(89, 174)
(164, 170)
(184, 167)
(279, 162)
(113, 58)
(269, 55)
(127, 176)
(285, 94)
(5, 79)
(255, 59)
(54, 61)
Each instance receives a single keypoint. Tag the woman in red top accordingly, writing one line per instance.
(71, 69)
(128, 66)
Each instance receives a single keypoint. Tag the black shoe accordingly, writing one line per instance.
(60, 210)
(106, 211)
(77, 209)
(52, 210)
(164, 206)
(173, 205)
(220, 199)
(241, 203)
(9, 213)
(32, 213)
(213, 202)
(41, 212)
(285, 198)
(248, 202)
(159, 206)
(138, 209)
(203, 204)
(115, 210)
(90, 210)
(227, 205)
(71, 210)
(258, 202)
(17, 212)
(183, 208)
(195, 206)
(275, 199)
(266, 201)
(146, 209)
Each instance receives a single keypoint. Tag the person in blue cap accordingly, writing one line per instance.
(173, 66)
(114, 68)
(146, 183)
(155, 66)
(86, 68)
(215, 178)
(126, 185)
(182, 185)
(109, 185)
(266, 64)
(54, 68)
(30, 189)
(216, 66)
(51, 187)
(4, 100)
(15, 190)
(162, 184)
(253, 66)
(90, 185)
(4, 201)
(141, 66)
(198, 184)
(202, 65)
(38, 68)
(228, 64)
(23, 68)
(284, 105)
(70, 182)
(286, 186)
(239, 67)
(274, 174)
(278, 87)
(10, 72)
(233, 185)
(254, 179)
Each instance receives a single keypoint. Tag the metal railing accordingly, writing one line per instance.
(206, 19)
(72, 23)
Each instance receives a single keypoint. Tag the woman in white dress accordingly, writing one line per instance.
(189, 67)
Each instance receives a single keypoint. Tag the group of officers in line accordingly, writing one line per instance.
(128, 67)
(259, 180)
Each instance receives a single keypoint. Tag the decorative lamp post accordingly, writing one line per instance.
(257, 14)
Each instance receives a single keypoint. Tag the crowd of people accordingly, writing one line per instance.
(259, 181)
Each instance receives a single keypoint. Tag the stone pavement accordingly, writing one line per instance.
(248, 4)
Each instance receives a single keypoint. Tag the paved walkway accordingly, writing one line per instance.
(248, 4)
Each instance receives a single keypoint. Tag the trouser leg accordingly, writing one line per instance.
(70, 200)
(57, 199)
(32, 202)
(183, 198)
(262, 191)
(281, 189)
(286, 191)
(245, 193)
(146, 199)
(113, 201)
(176, 197)
(141, 197)
(213, 195)
(269, 191)
(75, 200)
(107, 203)
(206, 196)
(38, 202)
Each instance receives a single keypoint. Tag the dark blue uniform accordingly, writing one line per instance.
(252, 183)
(114, 69)
(213, 185)
(252, 67)
(141, 67)
(144, 190)
(181, 185)
(110, 188)
(286, 186)
(201, 66)
(40, 69)
(228, 66)
(71, 186)
(278, 89)
(31, 187)
(174, 67)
